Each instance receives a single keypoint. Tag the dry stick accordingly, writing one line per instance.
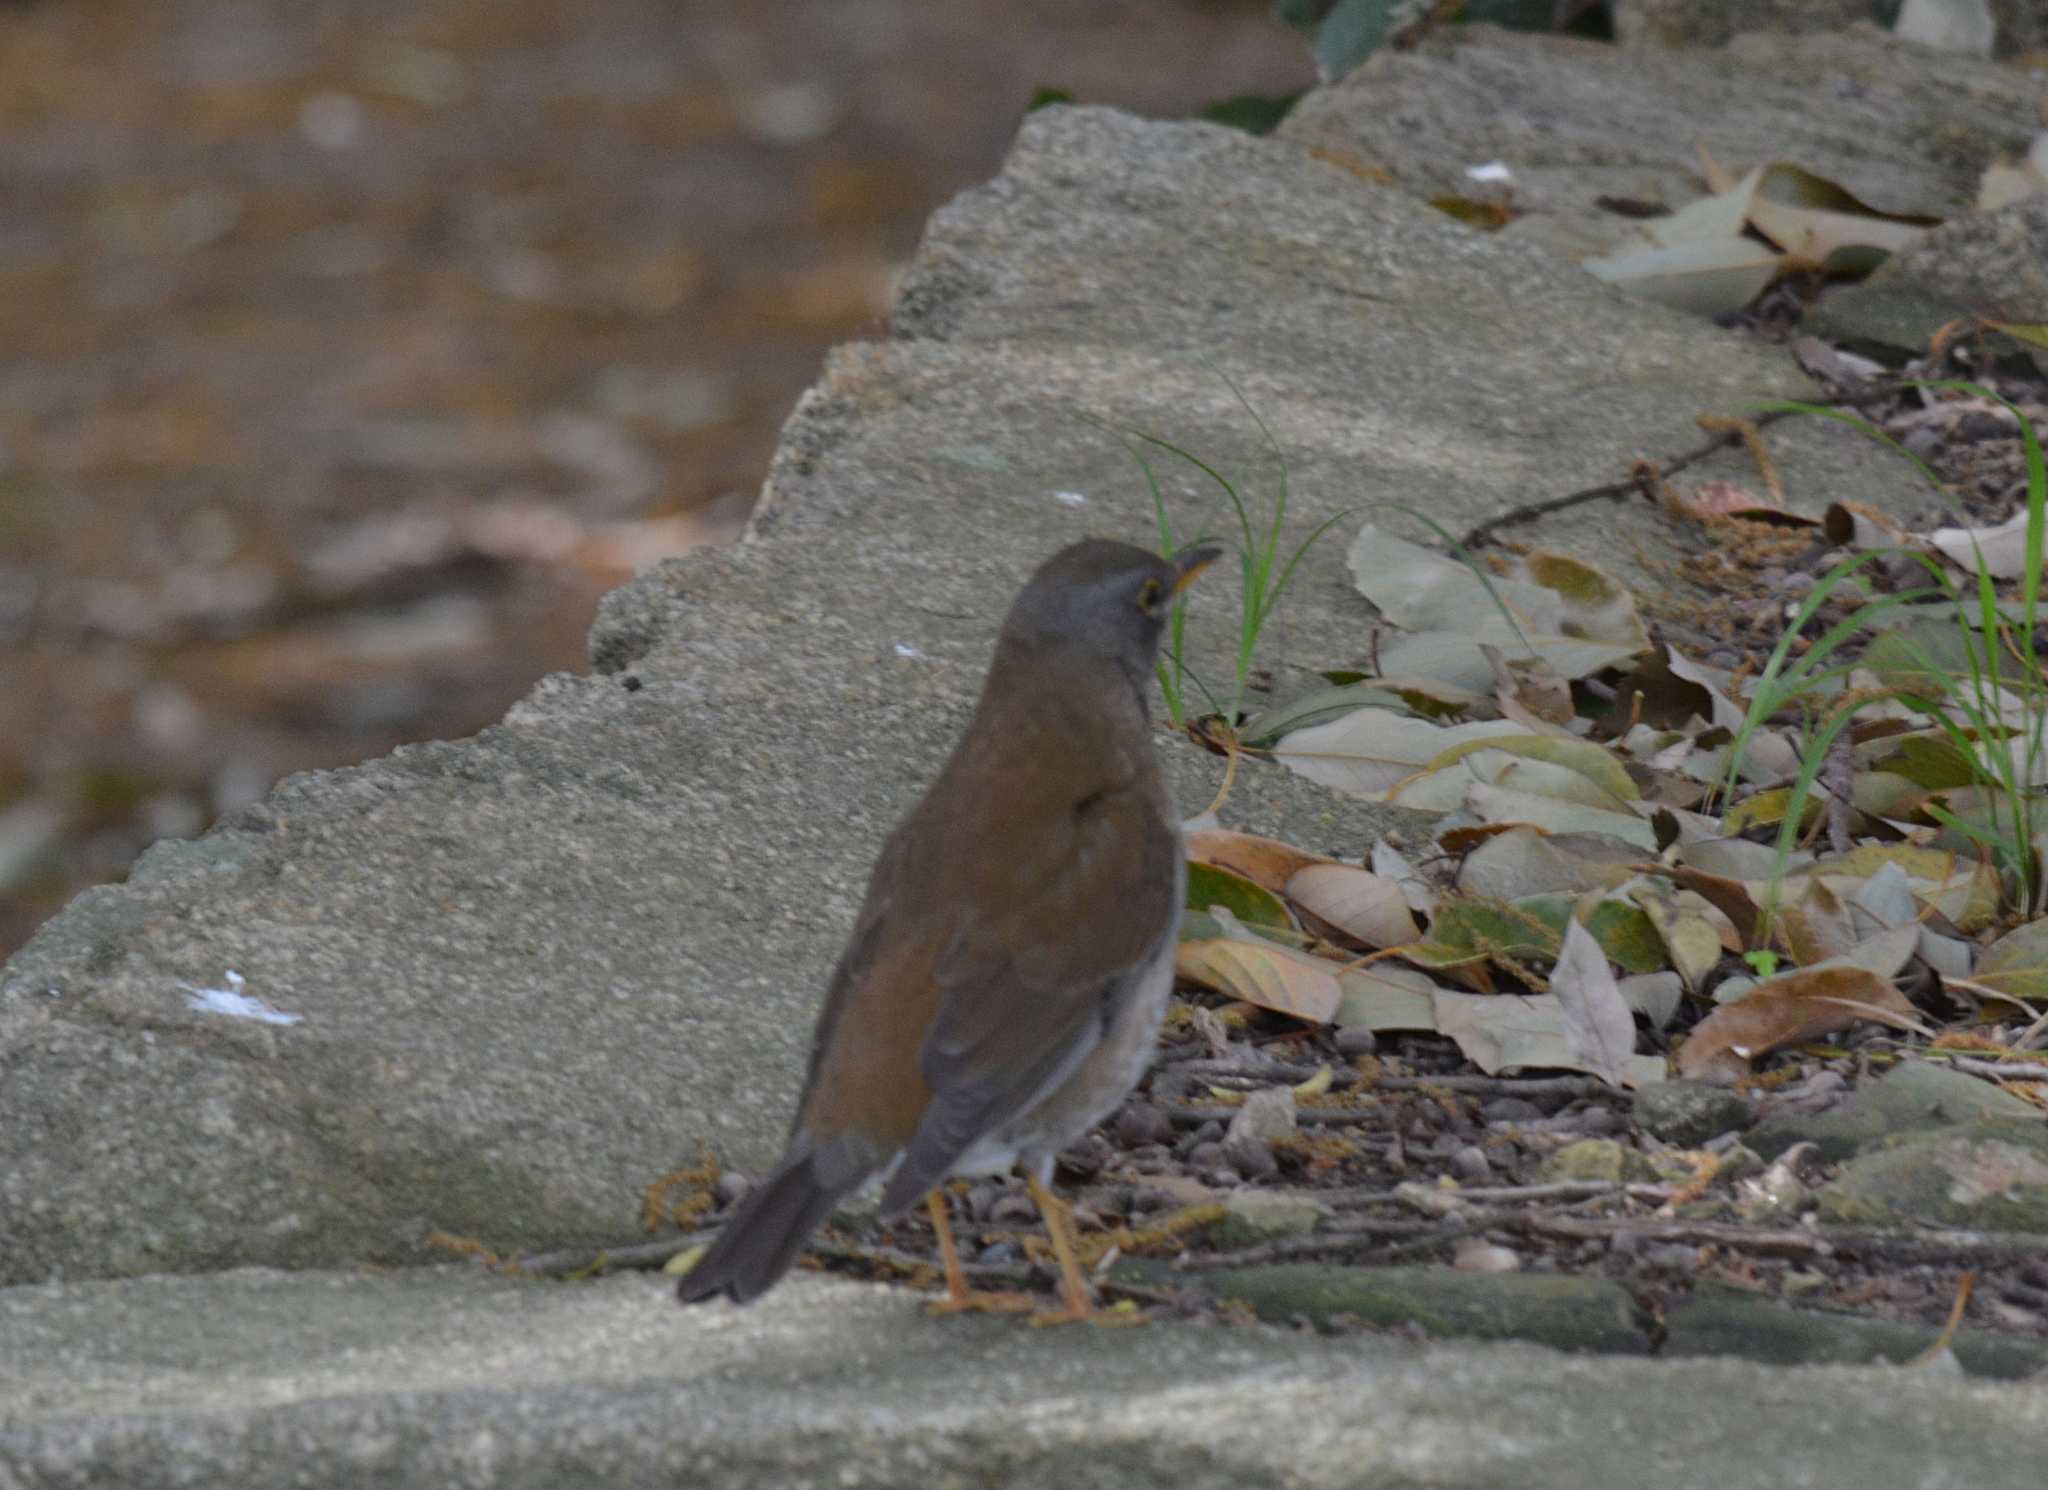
(1838, 775)
(1193, 1115)
(1501, 1086)
(1999, 1070)
(1373, 1238)
(1865, 1242)
(1492, 1194)
(1289, 1071)
(1612, 491)
(632, 1255)
(896, 1257)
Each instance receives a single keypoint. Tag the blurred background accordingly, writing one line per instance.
(351, 349)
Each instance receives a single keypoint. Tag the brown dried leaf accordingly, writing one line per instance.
(1264, 861)
(1728, 896)
(1799, 1006)
(1355, 901)
(1274, 978)
(1598, 1027)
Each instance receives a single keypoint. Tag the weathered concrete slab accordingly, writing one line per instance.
(447, 1378)
(1904, 128)
(535, 969)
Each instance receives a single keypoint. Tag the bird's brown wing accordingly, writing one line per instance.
(855, 965)
(1029, 978)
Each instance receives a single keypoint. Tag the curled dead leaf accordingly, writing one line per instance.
(1356, 902)
(1782, 1011)
(1263, 861)
(1292, 983)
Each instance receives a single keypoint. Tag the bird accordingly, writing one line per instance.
(1007, 974)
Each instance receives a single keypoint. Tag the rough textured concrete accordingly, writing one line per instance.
(1915, 1097)
(451, 1379)
(1991, 264)
(2022, 24)
(1904, 128)
(537, 968)
(1687, 23)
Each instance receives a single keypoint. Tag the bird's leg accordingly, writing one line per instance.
(1077, 1304)
(959, 1297)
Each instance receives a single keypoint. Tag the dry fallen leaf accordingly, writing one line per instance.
(1785, 1010)
(1355, 901)
(1263, 861)
(1509, 1032)
(1598, 1027)
(2017, 963)
(1274, 978)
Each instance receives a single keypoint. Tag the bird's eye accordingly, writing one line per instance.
(1148, 595)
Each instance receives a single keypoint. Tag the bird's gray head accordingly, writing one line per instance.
(1103, 598)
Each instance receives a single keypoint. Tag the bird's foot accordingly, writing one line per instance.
(983, 1301)
(1116, 1316)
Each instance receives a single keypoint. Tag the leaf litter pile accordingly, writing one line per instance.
(1647, 939)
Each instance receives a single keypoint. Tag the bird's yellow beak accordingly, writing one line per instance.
(1190, 562)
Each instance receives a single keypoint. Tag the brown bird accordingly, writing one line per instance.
(1006, 978)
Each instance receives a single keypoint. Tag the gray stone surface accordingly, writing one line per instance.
(1254, 1216)
(447, 1378)
(2022, 24)
(1991, 264)
(1688, 23)
(1905, 129)
(1688, 1113)
(535, 969)
(1725, 1321)
(1990, 1175)
(1915, 1097)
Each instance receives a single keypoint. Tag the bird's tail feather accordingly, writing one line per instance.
(761, 1239)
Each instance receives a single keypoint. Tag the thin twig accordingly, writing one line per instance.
(1373, 1238)
(1502, 1086)
(1997, 1070)
(1194, 1114)
(1257, 1070)
(595, 1261)
(1864, 1242)
(1491, 1194)
(1610, 491)
(896, 1257)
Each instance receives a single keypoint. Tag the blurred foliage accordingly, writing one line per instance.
(1343, 33)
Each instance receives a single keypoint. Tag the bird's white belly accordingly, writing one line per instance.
(1077, 1100)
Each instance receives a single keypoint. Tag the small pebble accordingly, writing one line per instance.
(1597, 1120)
(1673, 1258)
(1013, 1208)
(1356, 1041)
(1265, 1116)
(1205, 1155)
(1141, 1122)
(732, 1187)
(1477, 1255)
(999, 1252)
(1471, 1163)
(1975, 427)
(1251, 1157)
(1086, 1159)
(1923, 442)
(1510, 1110)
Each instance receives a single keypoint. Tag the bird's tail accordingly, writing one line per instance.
(762, 1237)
